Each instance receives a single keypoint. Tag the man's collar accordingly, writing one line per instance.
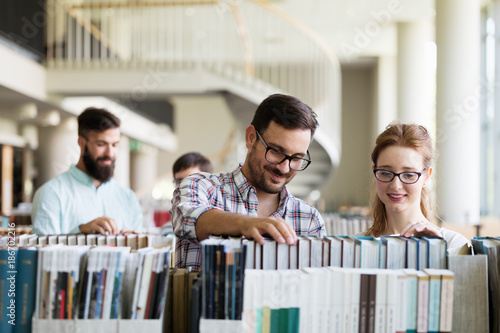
(81, 176)
(241, 182)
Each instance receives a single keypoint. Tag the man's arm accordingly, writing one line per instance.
(218, 222)
(195, 216)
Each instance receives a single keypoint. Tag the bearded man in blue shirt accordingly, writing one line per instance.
(86, 199)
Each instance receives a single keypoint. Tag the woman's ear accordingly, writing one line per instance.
(430, 172)
(373, 166)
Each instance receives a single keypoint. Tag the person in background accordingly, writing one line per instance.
(252, 201)
(189, 164)
(402, 167)
(86, 199)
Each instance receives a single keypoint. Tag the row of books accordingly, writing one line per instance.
(391, 252)
(490, 246)
(18, 230)
(132, 240)
(470, 300)
(223, 268)
(333, 299)
(81, 282)
(345, 224)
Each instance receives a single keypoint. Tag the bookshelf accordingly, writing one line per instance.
(183, 311)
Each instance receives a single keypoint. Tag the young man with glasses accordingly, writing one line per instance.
(252, 201)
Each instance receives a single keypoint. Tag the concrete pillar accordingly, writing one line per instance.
(58, 149)
(496, 125)
(458, 121)
(143, 167)
(122, 163)
(415, 75)
(385, 110)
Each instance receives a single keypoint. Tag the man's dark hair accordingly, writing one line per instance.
(287, 111)
(190, 160)
(95, 119)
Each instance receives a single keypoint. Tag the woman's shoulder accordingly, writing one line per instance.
(457, 243)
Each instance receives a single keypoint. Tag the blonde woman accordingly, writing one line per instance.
(402, 166)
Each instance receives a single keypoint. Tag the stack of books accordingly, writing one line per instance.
(223, 264)
(490, 246)
(346, 224)
(350, 252)
(348, 300)
(56, 284)
(134, 241)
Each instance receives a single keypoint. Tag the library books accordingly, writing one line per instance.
(51, 285)
(222, 274)
(342, 224)
(83, 282)
(490, 246)
(470, 302)
(132, 240)
(349, 252)
(332, 299)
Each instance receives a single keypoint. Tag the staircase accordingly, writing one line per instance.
(245, 50)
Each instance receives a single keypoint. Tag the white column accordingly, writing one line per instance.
(385, 84)
(143, 168)
(496, 126)
(58, 149)
(122, 163)
(458, 121)
(415, 75)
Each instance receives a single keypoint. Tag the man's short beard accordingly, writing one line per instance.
(259, 178)
(102, 173)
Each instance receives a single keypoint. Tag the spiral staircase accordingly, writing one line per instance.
(243, 50)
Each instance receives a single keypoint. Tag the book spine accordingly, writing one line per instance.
(363, 302)
(7, 277)
(371, 303)
(446, 315)
(434, 302)
(26, 288)
(423, 303)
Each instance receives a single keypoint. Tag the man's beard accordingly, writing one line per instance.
(259, 176)
(102, 173)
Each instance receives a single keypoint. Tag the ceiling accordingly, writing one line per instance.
(366, 25)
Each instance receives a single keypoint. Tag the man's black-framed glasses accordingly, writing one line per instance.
(277, 157)
(407, 177)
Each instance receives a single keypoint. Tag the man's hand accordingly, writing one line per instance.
(128, 232)
(217, 222)
(100, 225)
(275, 227)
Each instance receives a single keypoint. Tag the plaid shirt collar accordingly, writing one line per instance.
(245, 189)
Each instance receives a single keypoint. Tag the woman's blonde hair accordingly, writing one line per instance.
(403, 135)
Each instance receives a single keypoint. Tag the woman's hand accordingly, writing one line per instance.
(421, 228)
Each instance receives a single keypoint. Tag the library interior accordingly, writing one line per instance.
(249, 166)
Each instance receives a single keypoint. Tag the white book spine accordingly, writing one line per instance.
(381, 302)
(446, 315)
(401, 305)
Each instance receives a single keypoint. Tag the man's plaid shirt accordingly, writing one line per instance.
(229, 192)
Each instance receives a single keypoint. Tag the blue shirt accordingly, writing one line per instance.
(65, 202)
